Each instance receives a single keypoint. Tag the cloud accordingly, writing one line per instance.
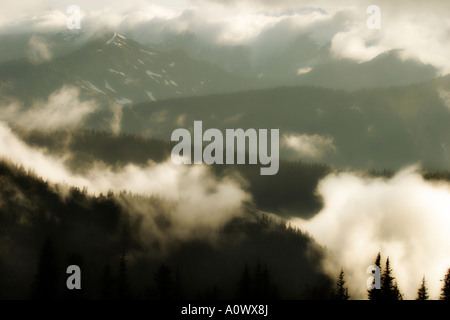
(418, 30)
(63, 109)
(303, 70)
(193, 203)
(405, 218)
(445, 96)
(38, 50)
(421, 30)
(308, 146)
(116, 119)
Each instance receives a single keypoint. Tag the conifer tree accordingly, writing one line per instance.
(445, 291)
(422, 293)
(106, 283)
(163, 283)
(46, 282)
(374, 294)
(245, 285)
(342, 290)
(261, 282)
(122, 279)
(178, 289)
(389, 288)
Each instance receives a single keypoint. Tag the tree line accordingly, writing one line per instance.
(100, 227)
(167, 282)
(389, 290)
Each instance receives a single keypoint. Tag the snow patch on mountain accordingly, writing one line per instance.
(92, 87)
(107, 86)
(123, 101)
(117, 40)
(153, 75)
(147, 52)
(118, 72)
(150, 95)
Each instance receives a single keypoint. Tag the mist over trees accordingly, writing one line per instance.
(53, 225)
(86, 177)
(389, 289)
(70, 226)
(291, 192)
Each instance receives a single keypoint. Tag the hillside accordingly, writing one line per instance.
(117, 69)
(45, 227)
(370, 128)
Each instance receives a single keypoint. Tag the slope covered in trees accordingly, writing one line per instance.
(291, 192)
(44, 228)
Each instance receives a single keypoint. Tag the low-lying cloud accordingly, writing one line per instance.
(405, 218)
(192, 201)
(308, 146)
(63, 109)
(445, 96)
(39, 50)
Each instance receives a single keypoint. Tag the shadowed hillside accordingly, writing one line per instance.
(44, 228)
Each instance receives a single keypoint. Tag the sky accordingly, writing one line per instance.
(420, 29)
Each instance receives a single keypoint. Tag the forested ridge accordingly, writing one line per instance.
(45, 226)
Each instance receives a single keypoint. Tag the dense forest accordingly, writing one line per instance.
(125, 252)
(291, 192)
(45, 228)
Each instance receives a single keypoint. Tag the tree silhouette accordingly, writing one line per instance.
(389, 288)
(422, 292)
(445, 291)
(123, 284)
(375, 294)
(262, 286)
(245, 285)
(178, 288)
(46, 281)
(163, 283)
(342, 290)
(257, 286)
(107, 282)
(211, 293)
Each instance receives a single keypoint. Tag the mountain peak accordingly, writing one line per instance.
(117, 40)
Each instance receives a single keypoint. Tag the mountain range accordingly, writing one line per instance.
(118, 69)
(393, 108)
